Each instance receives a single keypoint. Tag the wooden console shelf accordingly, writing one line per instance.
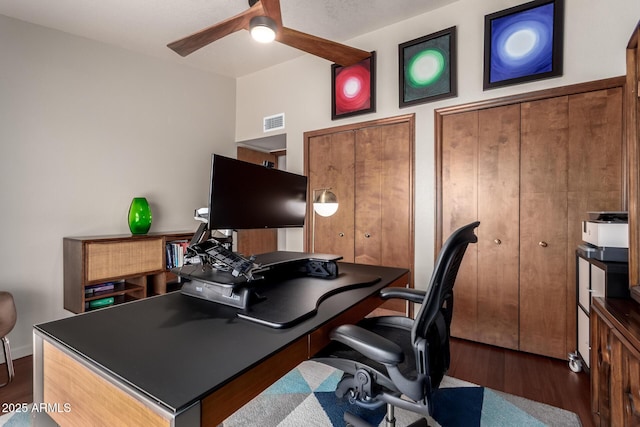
(137, 265)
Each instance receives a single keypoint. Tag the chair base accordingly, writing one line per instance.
(7, 357)
(390, 420)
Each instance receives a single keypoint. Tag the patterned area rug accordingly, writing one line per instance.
(305, 397)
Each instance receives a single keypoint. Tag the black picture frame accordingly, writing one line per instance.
(428, 68)
(358, 83)
(523, 43)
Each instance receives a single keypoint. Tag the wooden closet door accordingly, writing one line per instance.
(595, 173)
(498, 234)
(543, 227)
(480, 159)
(460, 207)
(383, 203)
(383, 196)
(369, 166)
(370, 163)
(595, 157)
(332, 165)
(571, 162)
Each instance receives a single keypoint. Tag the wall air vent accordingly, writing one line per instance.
(273, 122)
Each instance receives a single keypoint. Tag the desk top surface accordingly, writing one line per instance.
(177, 349)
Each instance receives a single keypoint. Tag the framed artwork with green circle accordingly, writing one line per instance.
(428, 68)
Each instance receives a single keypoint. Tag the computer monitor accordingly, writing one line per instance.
(244, 195)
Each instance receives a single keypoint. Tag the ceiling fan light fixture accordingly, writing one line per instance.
(263, 29)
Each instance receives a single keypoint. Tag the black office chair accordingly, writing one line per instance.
(395, 360)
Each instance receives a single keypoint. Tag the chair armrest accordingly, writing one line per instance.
(413, 295)
(369, 344)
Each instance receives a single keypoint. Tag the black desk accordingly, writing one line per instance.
(182, 360)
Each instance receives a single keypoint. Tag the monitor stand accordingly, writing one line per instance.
(234, 296)
(236, 291)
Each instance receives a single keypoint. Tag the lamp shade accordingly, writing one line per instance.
(263, 29)
(325, 203)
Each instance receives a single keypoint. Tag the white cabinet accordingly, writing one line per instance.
(584, 271)
(584, 345)
(596, 278)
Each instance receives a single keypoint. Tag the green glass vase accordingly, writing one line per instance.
(139, 216)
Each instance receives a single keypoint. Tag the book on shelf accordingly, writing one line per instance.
(176, 251)
(100, 287)
(99, 303)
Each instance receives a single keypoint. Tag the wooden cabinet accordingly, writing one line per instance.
(136, 265)
(528, 168)
(615, 362)
(369, 166)
(632, 137)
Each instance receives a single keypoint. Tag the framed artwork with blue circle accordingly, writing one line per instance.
(523, 43)
(428, 68)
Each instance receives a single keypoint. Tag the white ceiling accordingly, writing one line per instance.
(147, 26)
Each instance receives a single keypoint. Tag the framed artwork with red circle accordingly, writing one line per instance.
(353, 88)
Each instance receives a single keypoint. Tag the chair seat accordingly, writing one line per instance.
(393, 328)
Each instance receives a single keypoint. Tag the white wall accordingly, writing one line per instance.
(84, 127)
(596, 34)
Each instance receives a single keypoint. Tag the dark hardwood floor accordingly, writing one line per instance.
(20, 390)
(533, 377)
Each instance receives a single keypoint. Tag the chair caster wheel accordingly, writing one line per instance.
(575, 364)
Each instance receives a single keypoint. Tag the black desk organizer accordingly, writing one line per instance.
(286, 288)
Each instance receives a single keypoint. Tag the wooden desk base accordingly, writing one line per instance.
(81, 398)
(225, 401)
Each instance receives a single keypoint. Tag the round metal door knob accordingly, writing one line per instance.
(497, 241)
(543, 244)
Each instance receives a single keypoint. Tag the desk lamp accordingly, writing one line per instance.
(324, 204)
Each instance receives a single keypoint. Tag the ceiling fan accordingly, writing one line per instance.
(264, 15)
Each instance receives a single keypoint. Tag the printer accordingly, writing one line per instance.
(606, 236)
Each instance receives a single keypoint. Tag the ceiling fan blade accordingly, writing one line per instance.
(327, 49)
(272, 10)
(190, 44)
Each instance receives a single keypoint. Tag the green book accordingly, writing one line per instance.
(102, 302)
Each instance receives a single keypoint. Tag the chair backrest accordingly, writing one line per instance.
(434, 318)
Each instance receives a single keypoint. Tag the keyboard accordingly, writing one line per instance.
(212, 252)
